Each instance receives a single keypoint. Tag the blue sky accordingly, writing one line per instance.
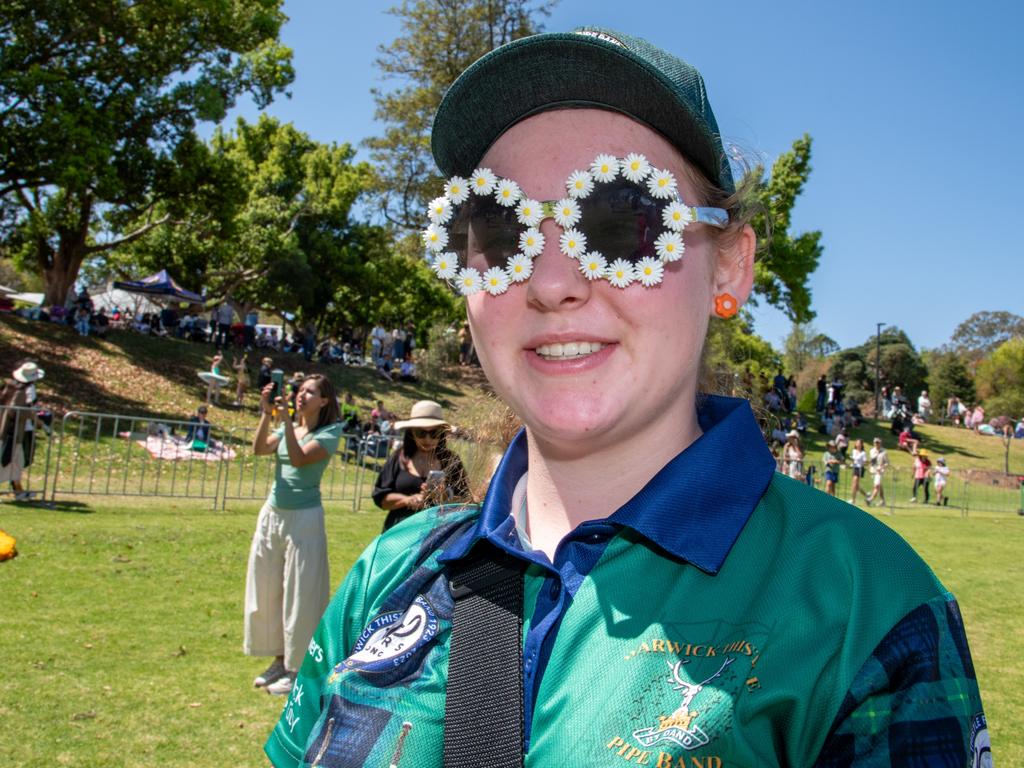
(914, 107)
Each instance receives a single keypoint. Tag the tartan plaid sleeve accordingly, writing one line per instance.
(915, 701)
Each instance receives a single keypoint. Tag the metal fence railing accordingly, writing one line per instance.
(963, 494)
(106, 454)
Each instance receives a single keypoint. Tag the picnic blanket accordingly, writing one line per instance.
(174, 448)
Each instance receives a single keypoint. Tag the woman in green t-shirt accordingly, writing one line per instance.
(287, 585)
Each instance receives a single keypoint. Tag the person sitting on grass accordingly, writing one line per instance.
(199, 427)
(907, 441)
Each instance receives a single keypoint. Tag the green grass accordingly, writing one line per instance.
(122, 628)
(121, 634)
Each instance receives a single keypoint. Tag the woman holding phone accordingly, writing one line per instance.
(423, 472)
(288, 584)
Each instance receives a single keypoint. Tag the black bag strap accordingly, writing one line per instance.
(483, 712)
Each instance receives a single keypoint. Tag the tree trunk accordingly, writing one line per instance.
(60, 267)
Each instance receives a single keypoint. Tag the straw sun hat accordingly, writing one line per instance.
(28, 373)
(425, 414)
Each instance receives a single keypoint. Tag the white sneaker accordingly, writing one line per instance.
(283, 685)
(274, 672)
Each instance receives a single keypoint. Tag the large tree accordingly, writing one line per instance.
(99, 101)
(899, 365)
(287, 238)
(439, 39)
(787, 260)
(1001, 379)
(980, 334)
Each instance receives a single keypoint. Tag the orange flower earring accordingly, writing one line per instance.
(725, 305)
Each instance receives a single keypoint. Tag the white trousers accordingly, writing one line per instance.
(287, 586)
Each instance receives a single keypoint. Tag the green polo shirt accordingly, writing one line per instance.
(715, 620)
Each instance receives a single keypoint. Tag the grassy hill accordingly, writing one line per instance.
(128, 373)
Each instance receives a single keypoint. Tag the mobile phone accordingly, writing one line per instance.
(434, 478)
(277, 378)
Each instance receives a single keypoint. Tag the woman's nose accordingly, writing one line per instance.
(556, 282)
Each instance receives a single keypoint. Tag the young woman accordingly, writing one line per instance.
(879, 458)
(683, 603)
(941, 478)
(287, 584)
(832, 463)
(17, 426)
(405, 484)
(793, 456)
(859, 461)
(241, 367)
(922, 473)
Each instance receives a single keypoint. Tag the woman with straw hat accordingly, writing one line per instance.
(423, 471)
(672, 600)
(17, 425)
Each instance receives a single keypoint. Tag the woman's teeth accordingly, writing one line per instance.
(569, 349)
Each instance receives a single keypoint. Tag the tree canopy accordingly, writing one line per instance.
(787, 261)
(439, 39)
(98, 107)
(1001, 379)
(982, 332)
(899, 365)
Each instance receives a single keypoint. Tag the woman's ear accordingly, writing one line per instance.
(734, 271)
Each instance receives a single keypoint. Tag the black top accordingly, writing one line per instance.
(395, 478)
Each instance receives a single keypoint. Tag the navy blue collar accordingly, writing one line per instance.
(694, 508)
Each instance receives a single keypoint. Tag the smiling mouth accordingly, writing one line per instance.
(568, 350)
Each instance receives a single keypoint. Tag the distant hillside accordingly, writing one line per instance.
(128, 373)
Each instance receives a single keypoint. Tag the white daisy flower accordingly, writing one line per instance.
(440, 210)
(469, 281)
(567, 212)
(604, 168)
(620, 273)
(573, 243)
(649, 271)
(579, 184)
(507, 192)
(435, 237)
(635, 167)
(593, 265)
(520, 267)
(495, 281)
(529, 212)
(482, 181)
(669, 246)
(662, 184)
(445, 265)
(676, 215)
(456, 189)
(531, 242)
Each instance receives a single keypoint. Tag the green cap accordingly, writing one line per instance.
(589, 66)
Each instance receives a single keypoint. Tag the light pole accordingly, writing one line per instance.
(878, 361)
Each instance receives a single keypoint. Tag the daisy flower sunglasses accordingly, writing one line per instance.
(621, 219)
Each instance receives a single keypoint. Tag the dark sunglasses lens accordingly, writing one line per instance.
(427, 433)
(621, 221)
(484, 234)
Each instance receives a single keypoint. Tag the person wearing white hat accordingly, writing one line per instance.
(793, 456)
(941, 473)
(423, 471)
(17, 425)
